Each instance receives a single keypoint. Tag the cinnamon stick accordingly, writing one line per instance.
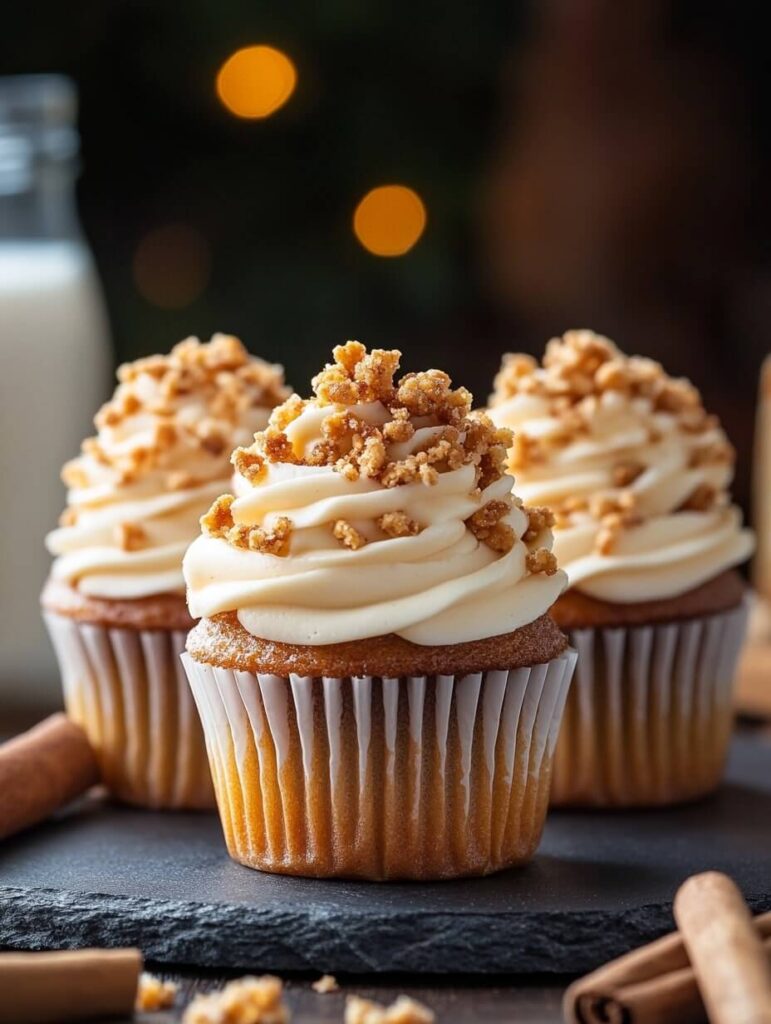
(41, 770)
(725, 950)
(651, 985)
(87, 984)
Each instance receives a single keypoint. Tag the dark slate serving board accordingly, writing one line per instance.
(601, 884)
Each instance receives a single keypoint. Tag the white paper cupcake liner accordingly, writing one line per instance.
(415, 777)
(649, 716)
(126, 688)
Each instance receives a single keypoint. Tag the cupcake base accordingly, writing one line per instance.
(649, 716)
(126, 688)
(382, 778)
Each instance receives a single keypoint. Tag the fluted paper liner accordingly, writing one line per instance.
(415, 777)
(126, 688)
(649, 716)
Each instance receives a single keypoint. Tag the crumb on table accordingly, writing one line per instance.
(243, 1001)
(326, 983)
(403, 1011)
(154, 994)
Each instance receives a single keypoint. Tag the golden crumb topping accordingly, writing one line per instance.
(245, 1001)
(583, 372)
(403, 1011)
(219, 522)
(541, 560)
(382, 451)
(130, 536)
(398, 524)
(356, 448)
(219, 376)
(486, 525)
(581, 365)
(348, 535)
(154, 994)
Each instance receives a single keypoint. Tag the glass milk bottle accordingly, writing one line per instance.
(54, 361)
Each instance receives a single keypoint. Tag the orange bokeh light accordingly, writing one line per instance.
(255, 81)
(389, 220)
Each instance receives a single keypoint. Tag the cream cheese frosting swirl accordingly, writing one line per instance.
(374, 508)
(160, 457)
(637, 473)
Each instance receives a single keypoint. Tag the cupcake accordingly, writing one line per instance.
(379, 682)
(637, 475)
(115, 600)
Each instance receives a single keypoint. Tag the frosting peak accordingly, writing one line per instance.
(160, 456)
(635, 469)
(378, 506)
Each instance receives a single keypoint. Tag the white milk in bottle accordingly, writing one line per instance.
(54, 358)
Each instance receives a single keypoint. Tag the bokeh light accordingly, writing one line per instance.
(172, 265)
(389, 220)
(255, 81)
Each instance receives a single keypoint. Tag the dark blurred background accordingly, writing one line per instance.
(581, 162)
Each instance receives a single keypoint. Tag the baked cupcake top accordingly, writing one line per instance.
(160, 457)
(635, 470)
(376, 507)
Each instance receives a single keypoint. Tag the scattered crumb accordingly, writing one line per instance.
(611, 525)
(325, 984)
(403, 1011)
(539, 518)
(398, 524)
(541, 560)
(348, 535)
(154, 994)
(218, 522)
(130, 536)
(244, 1001)
(487, 526)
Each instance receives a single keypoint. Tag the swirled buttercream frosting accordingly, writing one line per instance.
(160, 456)
(636, 471)
(379, 506)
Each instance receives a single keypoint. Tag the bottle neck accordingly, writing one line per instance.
(38, 158)
(40, 206)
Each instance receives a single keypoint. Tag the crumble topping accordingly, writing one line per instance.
(218, 522)
(348, 535)
(540, 518)
(220, 374)
(486, 525)
(581, 371)
(398, 524)
(403, 1011)
(245, 1001)
(541, 560)
(154, 994)
(130, 536)
(357, 449)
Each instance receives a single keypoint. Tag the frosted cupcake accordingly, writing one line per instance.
(114, 603)
(379, 683)
(637, 475)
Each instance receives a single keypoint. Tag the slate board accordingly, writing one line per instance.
(600, 885)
